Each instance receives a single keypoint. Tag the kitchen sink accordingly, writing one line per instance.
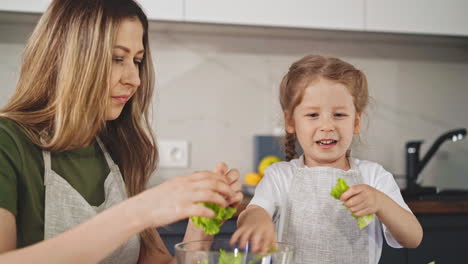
(441, 195)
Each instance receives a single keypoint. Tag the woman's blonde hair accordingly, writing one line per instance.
(308, 69)
(63, 88)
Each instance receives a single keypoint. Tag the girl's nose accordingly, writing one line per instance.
(326, 125)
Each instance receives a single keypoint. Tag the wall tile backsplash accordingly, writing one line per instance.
(217, 87)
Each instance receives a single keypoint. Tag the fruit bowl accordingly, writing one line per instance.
(219, 251)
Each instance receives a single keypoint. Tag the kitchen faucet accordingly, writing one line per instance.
(414, 165)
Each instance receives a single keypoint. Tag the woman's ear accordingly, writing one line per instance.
(289, 123)
(357, 124)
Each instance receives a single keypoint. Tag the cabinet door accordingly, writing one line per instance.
(418, 16)
(331, 14)
(163, 9)
(27, 6)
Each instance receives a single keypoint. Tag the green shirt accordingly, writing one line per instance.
(22, 188)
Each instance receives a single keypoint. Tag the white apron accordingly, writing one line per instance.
(65, 208)
(318, 225)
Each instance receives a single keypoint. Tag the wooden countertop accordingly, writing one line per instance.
(418, 207)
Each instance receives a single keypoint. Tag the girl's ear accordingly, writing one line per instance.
(357, 124)
(289, 123)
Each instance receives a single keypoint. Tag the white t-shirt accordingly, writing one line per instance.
(273, 188)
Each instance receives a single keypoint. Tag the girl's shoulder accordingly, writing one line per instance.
(372, 172)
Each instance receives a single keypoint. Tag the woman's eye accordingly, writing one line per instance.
(117, 59)
(138, 62)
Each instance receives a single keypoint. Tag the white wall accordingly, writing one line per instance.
(217, 88)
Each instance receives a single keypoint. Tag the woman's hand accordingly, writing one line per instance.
(179, 198)
(256, 227)
(362, 200)
(232, 177)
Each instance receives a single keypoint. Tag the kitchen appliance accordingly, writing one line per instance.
(220, 251)
(414, 165)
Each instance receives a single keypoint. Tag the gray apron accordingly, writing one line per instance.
(318, 225)
(65, 208)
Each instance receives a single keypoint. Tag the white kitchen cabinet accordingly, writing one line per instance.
(163, 9)
(26, 6)
(154, 9)
(444, 17)
(331, 14)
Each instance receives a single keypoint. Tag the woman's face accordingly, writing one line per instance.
(127, 55)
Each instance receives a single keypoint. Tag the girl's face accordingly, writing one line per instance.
(325, 122)
(127, 55)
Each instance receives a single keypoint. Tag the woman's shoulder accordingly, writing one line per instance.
(13, 135)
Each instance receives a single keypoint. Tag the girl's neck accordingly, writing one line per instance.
(342, 163)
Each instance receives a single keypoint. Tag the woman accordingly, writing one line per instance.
(75, 143)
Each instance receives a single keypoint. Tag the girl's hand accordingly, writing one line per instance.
(179, 198)
(255, 226)
(362, 200)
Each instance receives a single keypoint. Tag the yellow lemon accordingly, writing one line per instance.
(252, 178)
(265, 162)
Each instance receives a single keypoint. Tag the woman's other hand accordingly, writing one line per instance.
(233, 179)
(179, 198)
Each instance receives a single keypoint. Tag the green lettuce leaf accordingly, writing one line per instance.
(211, 225)
(341, 187)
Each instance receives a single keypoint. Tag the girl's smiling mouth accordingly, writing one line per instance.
(326, 143)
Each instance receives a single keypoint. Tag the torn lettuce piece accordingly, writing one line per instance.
(211, 225)
(229, 258)
(341, 187)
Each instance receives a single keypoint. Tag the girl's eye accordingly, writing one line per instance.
(340, 115)
(313, 115)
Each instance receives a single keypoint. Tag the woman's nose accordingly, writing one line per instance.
(131, 76)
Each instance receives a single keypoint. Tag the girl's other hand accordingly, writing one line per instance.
(255, 226)
(362, 199)
(179, 198)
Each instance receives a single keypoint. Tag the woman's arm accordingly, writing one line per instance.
(7, 231)
(96, 238)
(89, 242)
(192, 232)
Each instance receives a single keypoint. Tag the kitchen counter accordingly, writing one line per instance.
(418, 207)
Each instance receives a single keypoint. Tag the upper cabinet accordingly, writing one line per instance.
(418, 16)
(163, 9)
(155, 9)
(331, 14)
(26, 6)
(437, 17)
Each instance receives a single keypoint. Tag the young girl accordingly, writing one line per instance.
(76, 148)
(323, 100)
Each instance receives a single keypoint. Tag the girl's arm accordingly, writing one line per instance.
(255, 225)
(96, 238)
(363, 199)
(403, 225)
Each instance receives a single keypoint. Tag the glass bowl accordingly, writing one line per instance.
(219, 251)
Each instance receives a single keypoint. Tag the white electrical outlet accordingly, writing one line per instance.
(173, 154)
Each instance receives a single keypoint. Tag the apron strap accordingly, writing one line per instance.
(109, 160)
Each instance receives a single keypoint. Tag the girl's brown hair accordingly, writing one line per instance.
(308, 69)
(63, 89)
